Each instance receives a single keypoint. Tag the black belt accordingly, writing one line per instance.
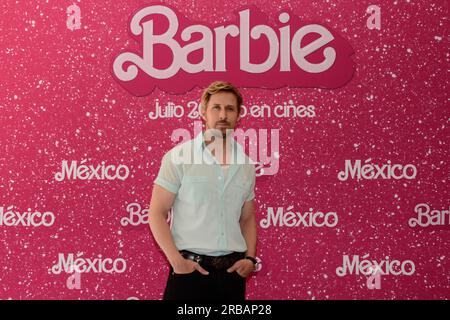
(208, 262)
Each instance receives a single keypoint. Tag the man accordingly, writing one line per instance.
(211, 245)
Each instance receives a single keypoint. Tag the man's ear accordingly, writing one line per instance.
(239, 115)
(202, 112)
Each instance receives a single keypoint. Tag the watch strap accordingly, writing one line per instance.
(252, 259)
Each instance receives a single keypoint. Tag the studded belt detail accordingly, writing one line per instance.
(218, 263)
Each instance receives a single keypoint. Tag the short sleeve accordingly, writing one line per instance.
(169, 176)
(251, 194)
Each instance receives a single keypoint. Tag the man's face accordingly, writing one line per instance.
(221, 112)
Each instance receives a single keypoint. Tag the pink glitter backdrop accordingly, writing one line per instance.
(59, 101)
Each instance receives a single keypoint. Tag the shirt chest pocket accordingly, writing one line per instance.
(238, 190)
(196, 190)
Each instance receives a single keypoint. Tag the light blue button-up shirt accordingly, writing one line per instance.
(207, 205)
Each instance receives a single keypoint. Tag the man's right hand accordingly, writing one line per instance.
(185, 266)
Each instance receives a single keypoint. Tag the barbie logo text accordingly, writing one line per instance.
(249, 53)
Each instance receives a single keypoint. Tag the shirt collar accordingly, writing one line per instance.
(200, 145)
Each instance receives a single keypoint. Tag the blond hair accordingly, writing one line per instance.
(218, 86)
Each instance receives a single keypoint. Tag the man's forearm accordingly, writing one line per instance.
(248, 229)
(163, 236)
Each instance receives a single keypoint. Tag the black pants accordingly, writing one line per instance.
(218, 285)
